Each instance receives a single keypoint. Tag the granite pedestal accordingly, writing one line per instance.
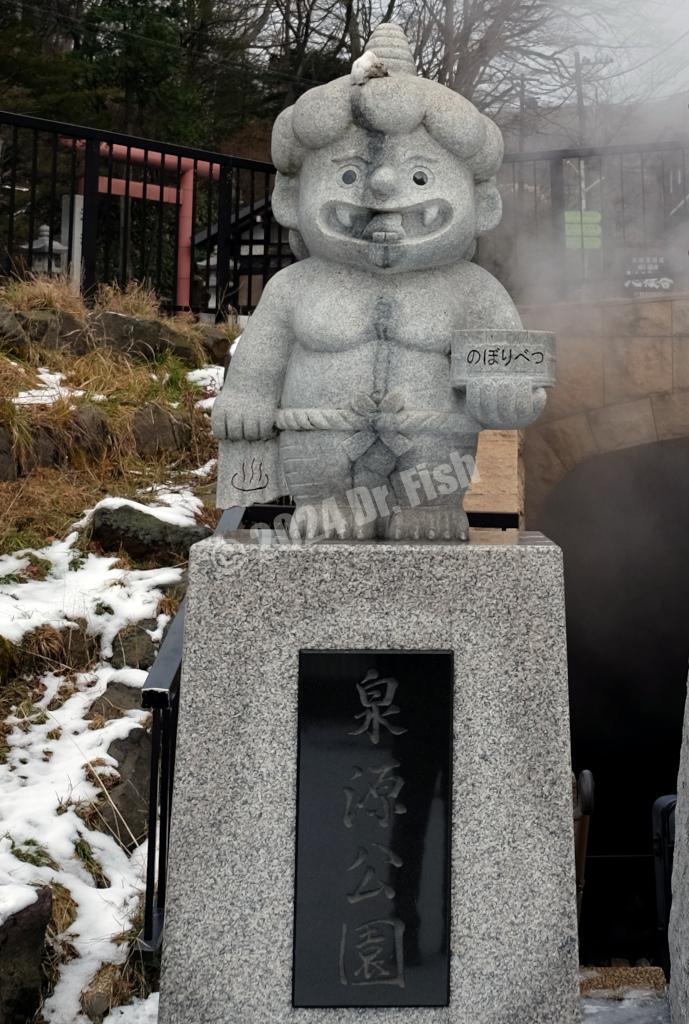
(497, 603)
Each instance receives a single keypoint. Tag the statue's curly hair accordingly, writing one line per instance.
(391, 100)
(391, 106)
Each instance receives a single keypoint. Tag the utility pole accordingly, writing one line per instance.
(580, 98)
(582, 162)
(522, 112)
(522, 143)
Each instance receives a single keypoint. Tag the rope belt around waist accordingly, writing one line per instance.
(381, 422)
(368, 421)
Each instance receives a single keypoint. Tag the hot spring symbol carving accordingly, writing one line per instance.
(383, 348)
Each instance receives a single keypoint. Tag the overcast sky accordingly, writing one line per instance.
(659, 35)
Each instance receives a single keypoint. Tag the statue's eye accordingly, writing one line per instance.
(420, 177)
(349, 176)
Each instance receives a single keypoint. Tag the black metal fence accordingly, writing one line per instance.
(599, 223)
(104, 207)
(197, 225)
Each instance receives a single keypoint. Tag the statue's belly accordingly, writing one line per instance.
(326, 379)
(332, 379)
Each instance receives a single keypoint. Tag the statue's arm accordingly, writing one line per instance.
(510, 401)
(245, 408)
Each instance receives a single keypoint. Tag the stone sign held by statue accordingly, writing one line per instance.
(384, 347)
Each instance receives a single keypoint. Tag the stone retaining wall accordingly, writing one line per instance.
(622, 380)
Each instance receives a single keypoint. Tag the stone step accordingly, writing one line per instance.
(630, 1010)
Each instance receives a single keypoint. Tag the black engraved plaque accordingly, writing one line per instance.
(372, 901)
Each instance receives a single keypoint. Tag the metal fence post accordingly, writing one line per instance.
(557, 214)
(224, 253)
(89, 234)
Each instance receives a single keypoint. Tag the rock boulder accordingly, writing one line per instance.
(143, 535)
(22, 937)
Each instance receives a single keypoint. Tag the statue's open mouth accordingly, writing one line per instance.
(388, 227)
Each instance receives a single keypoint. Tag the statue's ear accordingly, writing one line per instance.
(285, 199)
(488, 206)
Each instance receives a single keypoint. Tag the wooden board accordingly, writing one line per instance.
(500, 485)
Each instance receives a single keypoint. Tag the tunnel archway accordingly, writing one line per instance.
(622, 521)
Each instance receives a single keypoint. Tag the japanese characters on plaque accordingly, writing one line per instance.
(372, 951)
(373, 819)
(503, 353)
(647, 274)
(504, 356)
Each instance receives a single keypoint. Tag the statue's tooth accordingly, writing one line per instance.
(344, 216)
(429, 213)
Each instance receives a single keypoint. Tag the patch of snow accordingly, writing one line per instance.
(41, 785)
(51, 390)
(141, 1011)
(55, 756)
(179, 507)
(210, 379)
(233, 346)
(206, 469)
(182, 499)
(14, 896)
(11, 564)
(89, 587)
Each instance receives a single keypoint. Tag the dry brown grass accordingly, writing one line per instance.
(62, 651)
(184, 326)
(169, 604)
(15, 377)
(136, 299)
(133, 979)
(41, 507)
(64, 909)
(230, 327)
(112, 374)
(58, 949)
(66, 690)
(15, 692)
(91, 444)
(39, 291)
(118, 984)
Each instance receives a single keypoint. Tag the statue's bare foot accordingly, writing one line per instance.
(327, 522)
(440, 523)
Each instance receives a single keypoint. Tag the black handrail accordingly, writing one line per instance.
(160, 695)
(79, 131)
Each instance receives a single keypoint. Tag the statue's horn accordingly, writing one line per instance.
(389, 42)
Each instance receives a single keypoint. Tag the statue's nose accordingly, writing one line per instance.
(382, 181)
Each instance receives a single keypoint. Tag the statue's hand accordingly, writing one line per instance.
(242, 418)
(501, 403)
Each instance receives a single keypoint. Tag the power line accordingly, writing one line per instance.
(648, 60)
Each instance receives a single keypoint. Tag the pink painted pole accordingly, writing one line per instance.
(185, 209)
(153, 158)
(185, 221)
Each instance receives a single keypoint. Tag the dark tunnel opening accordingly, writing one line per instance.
(622, 521)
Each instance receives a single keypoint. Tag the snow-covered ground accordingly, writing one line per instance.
(50, 390)
(55, 755)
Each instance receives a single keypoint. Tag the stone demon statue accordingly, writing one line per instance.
(363, 378)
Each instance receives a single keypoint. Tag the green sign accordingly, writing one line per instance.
(583, 229)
